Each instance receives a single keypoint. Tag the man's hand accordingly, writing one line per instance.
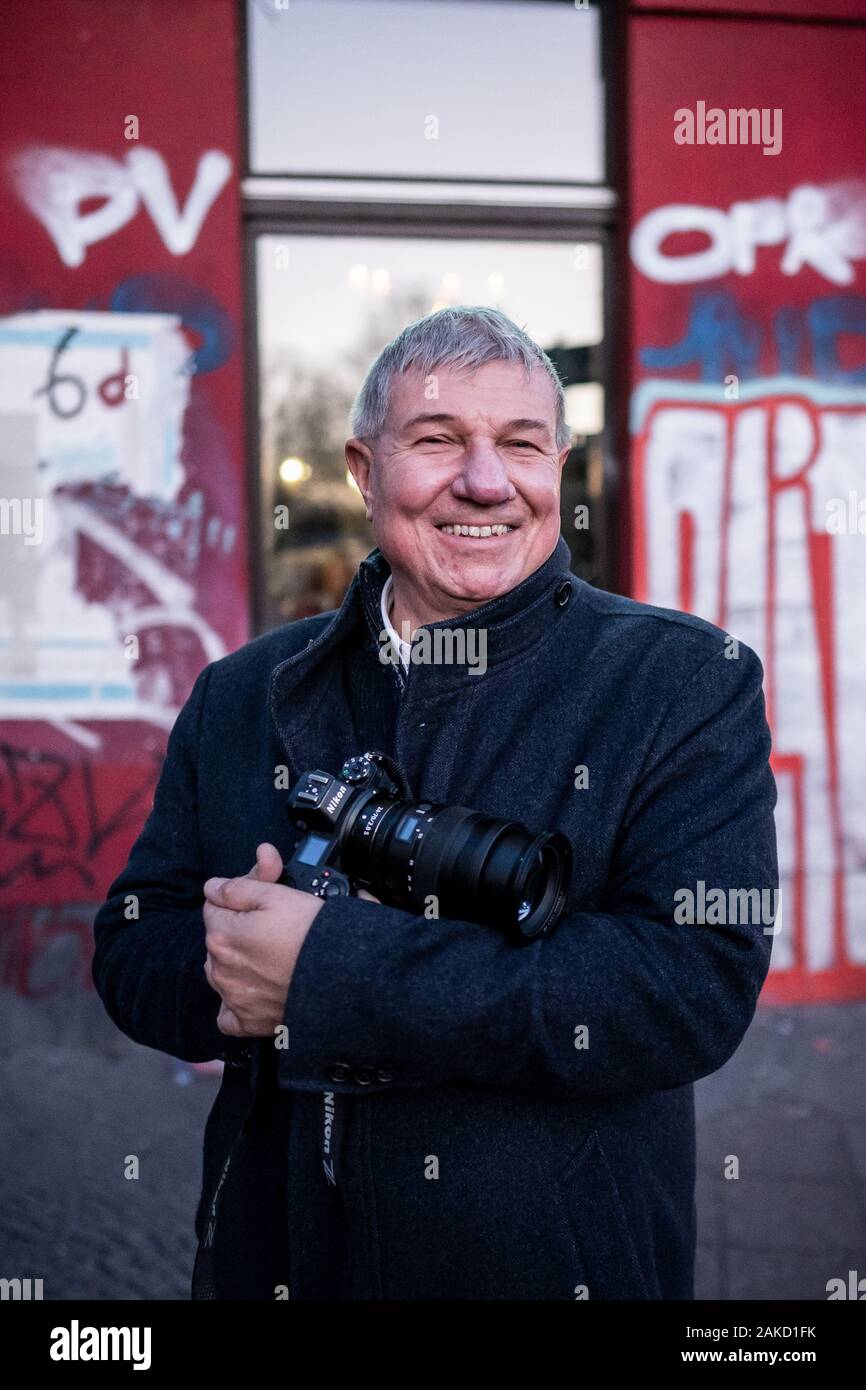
(255, 928)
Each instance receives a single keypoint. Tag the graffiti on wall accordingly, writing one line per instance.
(121, 508)
(751, 540)
(58, 813)
(122, 490)
(822, 228)
(750, 510)
(92, 411)
(55, 183)
(44, 949)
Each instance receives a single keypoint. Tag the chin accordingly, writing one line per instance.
(481, 581)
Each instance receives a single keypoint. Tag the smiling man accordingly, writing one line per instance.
(414, 1106)
(464, 497)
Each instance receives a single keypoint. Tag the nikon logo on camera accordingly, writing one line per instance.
(441, 646)
(335, 800)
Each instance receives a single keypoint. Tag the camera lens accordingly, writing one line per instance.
(543, 886)
(533, 889)
(448, 861)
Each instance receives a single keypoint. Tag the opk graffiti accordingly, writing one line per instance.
(821, 228)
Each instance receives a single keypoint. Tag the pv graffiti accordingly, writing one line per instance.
(54, 183)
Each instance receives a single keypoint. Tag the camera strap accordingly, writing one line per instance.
(332, 1136)
(204, 1269)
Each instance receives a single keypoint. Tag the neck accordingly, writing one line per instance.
(417, 608)
(407, 611)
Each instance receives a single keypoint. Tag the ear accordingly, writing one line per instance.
(359, 459)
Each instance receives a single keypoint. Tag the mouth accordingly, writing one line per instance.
(475, 532)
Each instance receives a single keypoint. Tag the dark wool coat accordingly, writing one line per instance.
(490, 1149)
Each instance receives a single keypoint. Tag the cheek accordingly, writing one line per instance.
(543, 489)
(407, 491)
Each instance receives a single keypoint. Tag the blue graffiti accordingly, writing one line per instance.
(721, 339)
(166, 293)
(827, 319)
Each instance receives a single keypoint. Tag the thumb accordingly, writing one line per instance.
(268, 865)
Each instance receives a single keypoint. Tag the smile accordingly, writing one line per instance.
(480, 531)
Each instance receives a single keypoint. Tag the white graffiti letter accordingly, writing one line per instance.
(179, 230)
(650, 233)
(53, 183)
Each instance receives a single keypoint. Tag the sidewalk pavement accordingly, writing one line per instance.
(79, 1099)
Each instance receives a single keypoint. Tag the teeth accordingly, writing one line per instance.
(499, 530)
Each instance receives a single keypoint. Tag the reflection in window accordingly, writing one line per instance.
(327, 306)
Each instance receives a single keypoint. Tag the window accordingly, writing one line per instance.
(357, 226)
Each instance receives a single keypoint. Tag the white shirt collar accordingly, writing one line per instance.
(404, 649)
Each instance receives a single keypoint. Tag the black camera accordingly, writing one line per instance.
(364, 829)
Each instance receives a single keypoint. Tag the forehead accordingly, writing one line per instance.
(495, 391)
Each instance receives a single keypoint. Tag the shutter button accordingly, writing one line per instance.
(563, 594)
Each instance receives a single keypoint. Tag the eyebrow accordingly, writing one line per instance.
(520, 424)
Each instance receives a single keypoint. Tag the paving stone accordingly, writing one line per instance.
(708, 1281)
(769, 1274)
(790, 1214)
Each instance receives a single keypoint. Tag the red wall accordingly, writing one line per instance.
(147, 555)
(753, 9)
(748, 418)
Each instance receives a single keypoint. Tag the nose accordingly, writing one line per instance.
(483, 477)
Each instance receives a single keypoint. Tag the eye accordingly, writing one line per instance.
(433, 439)
(524, 443)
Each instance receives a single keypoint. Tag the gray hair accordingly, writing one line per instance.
(467, 335)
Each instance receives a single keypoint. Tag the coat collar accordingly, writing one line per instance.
(511, 623)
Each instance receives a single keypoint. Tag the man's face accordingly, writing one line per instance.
(481, 454)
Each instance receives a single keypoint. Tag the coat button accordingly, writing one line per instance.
(363, 1075)
(339, 1072)
(384, 1074)
(563, 594)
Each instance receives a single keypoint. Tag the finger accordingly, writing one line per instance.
(229, 1023)
(218, 921)
(268, 865)
(368, 897)
(242, 894)
(208, 972)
